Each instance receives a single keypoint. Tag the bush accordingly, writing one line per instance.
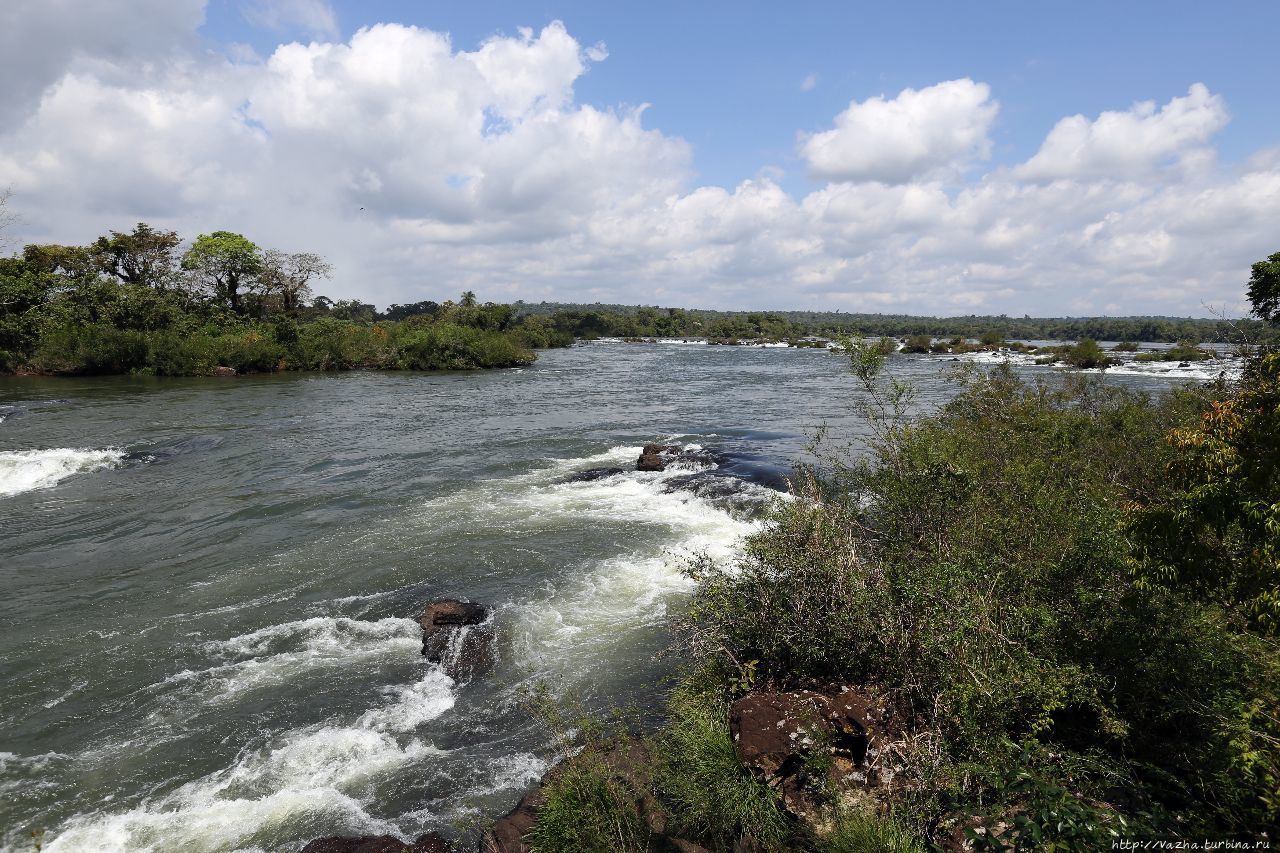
(978, 567)
(445, 346)
(91, 349)
(585, 810)
(712, 797)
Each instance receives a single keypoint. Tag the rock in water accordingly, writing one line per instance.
(429, 843)
(223, 370)
(654, 457)
(458, 636)
(592, 474)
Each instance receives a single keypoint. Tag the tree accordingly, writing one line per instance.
(144, 257)
(1264, 289)
(286, 277)
(222, 263)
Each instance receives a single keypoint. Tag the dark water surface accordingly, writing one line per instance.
(206, 586)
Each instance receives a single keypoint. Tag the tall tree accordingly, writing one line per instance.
(146, 256)
(223, 263)
(286, 277)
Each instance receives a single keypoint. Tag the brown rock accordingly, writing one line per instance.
(429, 843)
(654, 457)
(458, 636)
(775, 734)
(221, 370)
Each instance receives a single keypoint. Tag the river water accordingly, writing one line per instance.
(207, 587)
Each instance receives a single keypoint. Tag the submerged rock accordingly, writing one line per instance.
(592, 474)
(429, 843)
(458, 636)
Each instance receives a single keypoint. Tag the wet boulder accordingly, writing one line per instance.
(654, 457)
(429, 843)
(458, 635)
(777, 735)
(222, 370)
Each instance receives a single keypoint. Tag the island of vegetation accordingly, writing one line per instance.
(134, 302)
(1046, 617)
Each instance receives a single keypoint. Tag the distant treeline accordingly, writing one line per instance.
(606, 320)
(137, 302)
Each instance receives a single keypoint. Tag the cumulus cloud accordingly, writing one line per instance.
(1131, 143)
(937, 130)
(41, 39)
(478, 168)
(316, 18)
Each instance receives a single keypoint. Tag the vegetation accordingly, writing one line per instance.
(1184, 351)
(641, 321)
(1072, 590)
(133, 302)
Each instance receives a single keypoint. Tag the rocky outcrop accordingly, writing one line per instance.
(224, 371)
(457, 635)
(429, 843)
(778, 736)
(654, 457)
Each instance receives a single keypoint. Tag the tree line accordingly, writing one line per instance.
(642, 321)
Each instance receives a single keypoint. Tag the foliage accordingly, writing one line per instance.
(586, 810)
(862, 831)
(222, 263)
(1215, 532)
(1264, 289)
(712, 797)
(641, 321)
(128, 303)
(976, 566)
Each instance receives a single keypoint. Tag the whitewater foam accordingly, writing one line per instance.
(300, 783)
(27, 470)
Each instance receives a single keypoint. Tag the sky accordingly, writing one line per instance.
(940, 158)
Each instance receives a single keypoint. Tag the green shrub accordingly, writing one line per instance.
(978, 566)
(861, 831)
(712, 797)
(91, 349)
(586, 810)
(445, 346)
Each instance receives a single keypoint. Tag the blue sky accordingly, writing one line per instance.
(727, 76)
(937, 158)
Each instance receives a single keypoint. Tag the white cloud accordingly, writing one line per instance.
(933, 131)
(40, 40)
(316, 18)
(809, 83)
(1129, 144)
(479, 169)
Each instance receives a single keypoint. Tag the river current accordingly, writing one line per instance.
(208, 586)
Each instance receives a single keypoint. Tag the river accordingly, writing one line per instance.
(207, 586)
